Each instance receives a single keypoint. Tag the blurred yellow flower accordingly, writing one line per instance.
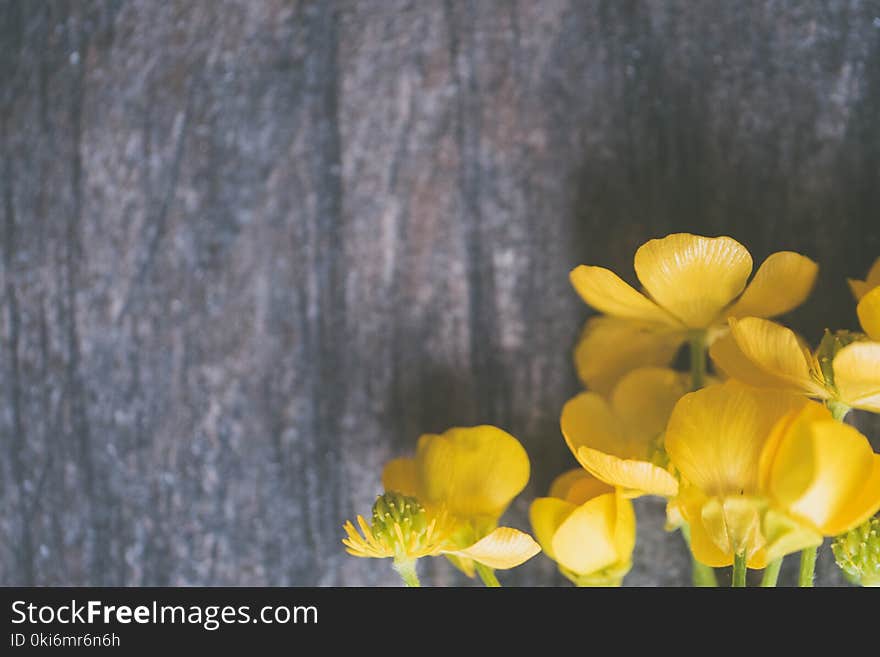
(872, 280)
(844, 370)
(766, 473)
(587, 528)
(620, 441)
(692, 284)
(472, 474)
(869, 313)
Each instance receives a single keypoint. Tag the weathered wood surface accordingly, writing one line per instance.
(252, 249)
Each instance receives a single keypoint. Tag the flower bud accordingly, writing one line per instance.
(398, 517)
(858, 553)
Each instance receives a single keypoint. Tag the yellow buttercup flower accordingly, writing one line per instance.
(620, 440)
(872, 280)
(404, 530)
(692, 284)
(844, 370)
(586, 527)
(401, 529)
(766, 473)
(472, 474)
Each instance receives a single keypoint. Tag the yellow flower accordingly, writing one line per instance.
(401, 529)
(872, 280)
(766, 473)
(405, 531)
(587, 528)
(620, 441)
(472, 474)
(844, 370)
(693, 284)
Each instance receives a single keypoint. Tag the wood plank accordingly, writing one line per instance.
(251, 250)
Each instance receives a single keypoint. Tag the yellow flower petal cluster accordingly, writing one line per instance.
(845, 369)
(463, 479)
(587, 527)
(620, 440)
(692, 284)
(766, 473)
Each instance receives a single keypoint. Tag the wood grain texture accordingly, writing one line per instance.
(251, 250)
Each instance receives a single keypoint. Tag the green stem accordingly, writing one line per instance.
(771, 573)
(698, 360)
(487, 575)
(808, 566)
(701, 574)
(406, 568)
(739, 570)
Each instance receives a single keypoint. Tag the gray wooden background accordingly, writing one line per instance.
(252, 249)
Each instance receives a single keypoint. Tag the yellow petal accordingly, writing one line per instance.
(693, 277)
(819, 468)
(793, 421)
(869, 313)
(635, 477)
(546, 515)
(585, 541)
(588, 421)
(861, 288)
(400, 475)
(703, 545)
(611, 347)
(564, 482)
(715, 435)
(474, 471)
(608, 293)
(784, 535)
(504, 548)
(644, 399)
(674, 515)
(464, 564)
(782, 282)
(734, 364)
(862, 506)
(577, 486)
(857, 375)
(734, 524)
(777, 351)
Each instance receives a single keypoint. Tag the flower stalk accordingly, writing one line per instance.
(771, 573)
(698, 359)
(701, 574)
(808, 566)
(487, 575)
(838, 410)
(739, 570)
(406, 568)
